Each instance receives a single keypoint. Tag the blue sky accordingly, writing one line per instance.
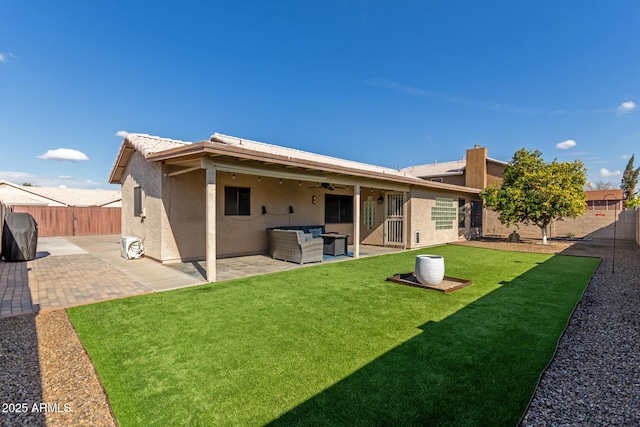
(389, 83)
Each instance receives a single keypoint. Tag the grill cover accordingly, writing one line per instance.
(19, 237)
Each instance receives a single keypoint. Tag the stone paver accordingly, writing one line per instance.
(61, 281)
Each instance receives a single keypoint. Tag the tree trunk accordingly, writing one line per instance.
(544, 235)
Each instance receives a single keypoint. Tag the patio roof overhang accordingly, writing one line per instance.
(240, 160)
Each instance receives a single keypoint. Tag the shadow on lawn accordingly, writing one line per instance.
(433, 379)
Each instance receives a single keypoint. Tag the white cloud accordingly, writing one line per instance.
(625, 156)
(16, 177)
(4, 57)
(122, 133)
(565, 145)
(605, 173)
(62, 186)
(627, 107)
(62, 154)
(65, 177)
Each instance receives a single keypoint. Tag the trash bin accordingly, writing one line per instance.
(19, 237)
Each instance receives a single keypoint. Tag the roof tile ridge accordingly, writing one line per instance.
(297, 150)
(156, 137)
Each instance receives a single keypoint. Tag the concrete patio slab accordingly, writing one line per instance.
(152, 274)
(57, 246)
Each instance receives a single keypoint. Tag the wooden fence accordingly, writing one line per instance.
(73, 221)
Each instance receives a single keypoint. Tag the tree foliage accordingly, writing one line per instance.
(537, 192)
(630, 182)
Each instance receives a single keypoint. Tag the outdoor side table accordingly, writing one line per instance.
(334, 244)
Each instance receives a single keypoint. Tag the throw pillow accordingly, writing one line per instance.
(315, 232)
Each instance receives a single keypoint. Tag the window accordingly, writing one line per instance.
(338, 209)
(369, 213)
(476, 213)
(461, 213)
(137, 201)
(237, 201)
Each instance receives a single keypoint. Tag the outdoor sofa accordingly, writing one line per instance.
(294, 245)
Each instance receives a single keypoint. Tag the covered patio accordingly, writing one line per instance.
(202, 203)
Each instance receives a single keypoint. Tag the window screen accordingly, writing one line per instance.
(137, 201)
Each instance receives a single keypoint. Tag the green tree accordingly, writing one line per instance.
(537, 192)
(629, 182)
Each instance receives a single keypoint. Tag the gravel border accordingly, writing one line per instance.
(593, 379)
(47, 375)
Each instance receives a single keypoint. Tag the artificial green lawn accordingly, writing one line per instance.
(336, 344)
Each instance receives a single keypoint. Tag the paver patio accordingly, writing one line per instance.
(70, 271)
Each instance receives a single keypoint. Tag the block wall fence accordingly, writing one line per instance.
(593, 224)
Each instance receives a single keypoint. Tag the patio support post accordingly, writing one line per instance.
(211, 224)
(405, 216)
(356, 221)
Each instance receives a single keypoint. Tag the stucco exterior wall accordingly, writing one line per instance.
(276, 197)
(420, 215)
(184, 231)
(495, 173)
(454, 179)
(147, 175)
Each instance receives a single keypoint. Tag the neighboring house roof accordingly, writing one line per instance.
(455, 167)
(437, 169)
(610, 195)
(220, 146)
(28, 195)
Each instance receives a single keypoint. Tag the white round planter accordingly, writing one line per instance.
(429, 269)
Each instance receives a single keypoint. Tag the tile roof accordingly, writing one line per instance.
(77, 196)
(602, 194)
(155, 148)
(148, 144)
(437, 169)
(455, 167)
(301, 155)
